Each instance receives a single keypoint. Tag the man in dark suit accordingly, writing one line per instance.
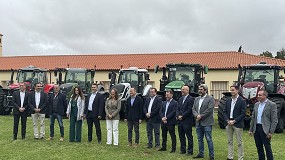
(203, 111)
(20, 110)
(38, 102)
(168, 120)
(133, 115)
(263, 124)
(185, 122)
(151, 111)
(57, 104)
(234, 113)
(93, 112)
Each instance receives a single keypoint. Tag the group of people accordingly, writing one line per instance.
(159, 115)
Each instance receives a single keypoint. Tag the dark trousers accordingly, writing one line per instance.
(171, 129)
(185, 130)
(17, 117)
(150, 127)
(96, 121)
(133, 125)
(52, 117)
(75, 128)
(260, 141)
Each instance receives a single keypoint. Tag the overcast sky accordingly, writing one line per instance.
(45, 27)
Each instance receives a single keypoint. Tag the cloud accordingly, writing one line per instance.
(34, 27)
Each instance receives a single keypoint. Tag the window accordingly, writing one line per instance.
(217, 88)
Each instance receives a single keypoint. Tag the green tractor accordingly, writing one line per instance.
(251, 79)
(75, 77)
(174, 76)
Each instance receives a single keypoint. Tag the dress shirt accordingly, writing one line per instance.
(260, 111)
(22, 96)
(234, 101)
(132, 100)
(91, 100)
(200, 102)
(150, 104)
(38, 98)
(184, 98)
(166, 107)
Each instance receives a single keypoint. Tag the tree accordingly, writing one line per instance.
(266, 54)
(281, 54)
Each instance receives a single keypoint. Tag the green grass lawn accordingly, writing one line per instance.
(42, 149)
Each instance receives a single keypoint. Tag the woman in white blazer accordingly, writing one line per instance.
(74, 112)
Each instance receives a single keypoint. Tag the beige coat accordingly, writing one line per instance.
(113, 108)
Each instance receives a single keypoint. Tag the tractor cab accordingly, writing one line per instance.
(137, 78)
(30, 76)
(75, 77)
(255, 77)
(177, 75)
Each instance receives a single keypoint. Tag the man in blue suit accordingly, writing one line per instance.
(151, 111)
(234, 113)
(185, 122)
(168, 120)
(57, 104)
(133, 115)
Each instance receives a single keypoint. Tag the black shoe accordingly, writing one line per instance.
(162, 149)
(182, 152)
(211, 158)
(149, 147)
(198, 156)
(190, 154)
(99, 142)
(172, 151)
(15, 138)
(229, 159)
(23, 137)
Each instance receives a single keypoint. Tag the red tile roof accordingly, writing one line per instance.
(215, 60)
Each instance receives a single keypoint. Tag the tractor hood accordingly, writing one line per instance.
(175, 85)
(250, 89)
(66, 87)
(15, 86)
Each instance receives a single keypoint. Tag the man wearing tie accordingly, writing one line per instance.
(93, 112)
(234, 113)
(57, 104)
(263, 124)
(168, 120)
(151, 111)
(20, 110)
(133, 115)
(185, 122)
(38, 103)
(203, 111)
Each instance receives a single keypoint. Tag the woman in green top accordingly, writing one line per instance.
(112, 109)
(74, 112)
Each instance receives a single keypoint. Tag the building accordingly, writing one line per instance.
(223, 66)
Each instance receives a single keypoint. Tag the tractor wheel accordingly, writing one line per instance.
(2, 97)
(280, 113)
(221, 119)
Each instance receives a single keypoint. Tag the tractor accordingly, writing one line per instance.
(251, 79)
(131, 77)
(30, 76)
(179, 75)
(76, 77)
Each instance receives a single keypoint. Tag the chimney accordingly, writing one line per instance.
(1, 35)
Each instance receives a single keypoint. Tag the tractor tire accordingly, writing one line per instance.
(221, 119)
(1, 101)
(280, 113)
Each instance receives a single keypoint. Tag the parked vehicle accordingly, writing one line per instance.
(251, 79)
(30, 76)
(174, 76)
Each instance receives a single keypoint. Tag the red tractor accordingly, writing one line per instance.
(30, 76)
(251, 79)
